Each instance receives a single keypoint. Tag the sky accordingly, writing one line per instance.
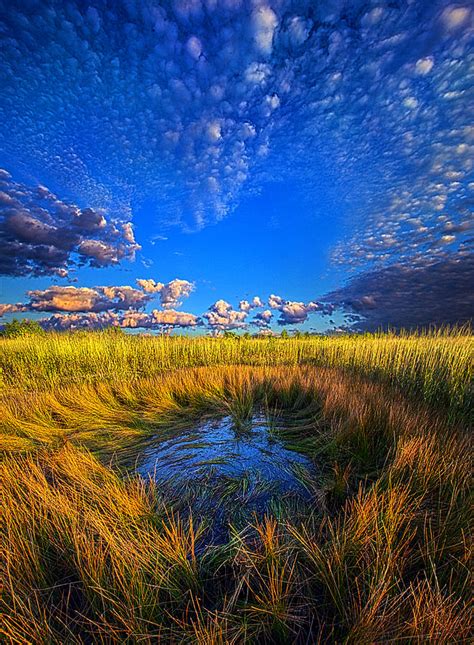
(199, 166)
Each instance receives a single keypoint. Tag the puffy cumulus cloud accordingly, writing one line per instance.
(222, 317)
(171, 318)
(158, 320)
(58, 298)
(295, 313)
(275, 302)
(263, 319)
(85, 299)
(255, 303)
(41, 234)
(172, 293)
(150, 286)
(72, 322)
(401, 296)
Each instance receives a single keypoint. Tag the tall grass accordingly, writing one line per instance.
(436, 367)
(380, 554)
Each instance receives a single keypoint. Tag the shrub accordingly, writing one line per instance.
(16, 328)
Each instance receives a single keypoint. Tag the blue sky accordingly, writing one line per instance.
(224, 152)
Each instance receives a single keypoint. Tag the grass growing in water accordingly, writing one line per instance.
(381, 555)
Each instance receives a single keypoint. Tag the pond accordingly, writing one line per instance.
(225, 472)
(217, 447)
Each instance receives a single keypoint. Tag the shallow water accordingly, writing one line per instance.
(226, 475)
(218, 448)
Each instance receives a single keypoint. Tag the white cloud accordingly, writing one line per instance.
(424, 65)
(245, 305)
(454, 17)
(264, 23)
(150, 286)
(214, 131)
(221, 316)
(172, 293)
(174, 318)
(263, 318)
(194, 47)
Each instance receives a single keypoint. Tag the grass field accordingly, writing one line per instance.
(380, 551)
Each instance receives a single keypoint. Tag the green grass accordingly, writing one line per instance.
(379, 553)
(436, 367)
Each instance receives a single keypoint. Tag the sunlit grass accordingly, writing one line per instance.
(380, 552)
(436, 366)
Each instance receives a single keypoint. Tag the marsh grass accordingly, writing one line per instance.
(435, 366)
(91, 553)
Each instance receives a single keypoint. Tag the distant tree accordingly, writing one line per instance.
(246, 335)
(230, 334)
(284, 334)
(16, 328)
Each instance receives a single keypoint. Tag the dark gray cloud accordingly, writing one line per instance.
(399, 296)
(41, 234)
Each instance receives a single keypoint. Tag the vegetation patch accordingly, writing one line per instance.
(377, 549)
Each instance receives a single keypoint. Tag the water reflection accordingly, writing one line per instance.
(218, 448)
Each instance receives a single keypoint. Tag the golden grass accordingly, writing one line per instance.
(382, 555)
(436, 366)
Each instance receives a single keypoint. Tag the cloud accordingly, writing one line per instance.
(173, 318)
(424, 65)
(150, 286)
(275, 302)
(400, 296)
(221, 317)
(58, 298)
(455, 16)
(85, 299)
(172, 293)
(263, 319)
(41, 234)
(205, 93)
(71, 321)
(294, 313)
(264, 23)
(255, 303)
(132, 319)
(11, 308)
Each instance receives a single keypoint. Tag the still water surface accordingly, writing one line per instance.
(220, 448)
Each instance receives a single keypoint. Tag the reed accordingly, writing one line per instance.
(92, 553)
(435, 366)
